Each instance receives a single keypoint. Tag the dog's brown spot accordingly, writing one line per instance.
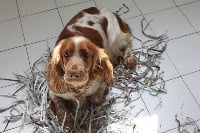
(92, 10)
(74, 19)
(123, 26)
(104, 24)
(91, 34)
(90, 23)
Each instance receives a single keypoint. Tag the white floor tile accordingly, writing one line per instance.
(171, 21)
(8, 10)
(62, 3)
(10, 34)
(183, 53)
(37, 51)
(147, 6)
(68, 12)
(135, 25)
(192, 12)
(41, 26)
(13, 61)
(33, 6)
(118, 6)
(135, 113)
(132, 108)
(178, 101)
(51, 43)
(166, 65)
(193, 83)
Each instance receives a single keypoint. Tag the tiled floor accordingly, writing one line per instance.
(27, 27)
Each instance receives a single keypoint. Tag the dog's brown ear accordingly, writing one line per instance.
(55, 71)
(104, 68)
(56, 55)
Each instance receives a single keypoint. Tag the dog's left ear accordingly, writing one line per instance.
(104, 68)
(55, 71)
(56, 61)
(56, 57)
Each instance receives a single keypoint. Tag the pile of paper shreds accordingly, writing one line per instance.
(30, 101)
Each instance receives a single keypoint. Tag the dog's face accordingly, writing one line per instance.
(76, 58)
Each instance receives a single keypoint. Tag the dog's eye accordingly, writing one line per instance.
(85, 54)
(66, 54)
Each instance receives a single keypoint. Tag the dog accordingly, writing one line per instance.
(81, 64)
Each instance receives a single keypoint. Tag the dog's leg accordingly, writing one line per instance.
(62, 110)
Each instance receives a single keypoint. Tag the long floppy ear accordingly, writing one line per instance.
(104, 68)
(55, 68)
(55, 71)
(56, 57)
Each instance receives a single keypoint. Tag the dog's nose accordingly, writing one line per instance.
(74, 74)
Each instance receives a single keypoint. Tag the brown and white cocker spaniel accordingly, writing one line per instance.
(81, 64)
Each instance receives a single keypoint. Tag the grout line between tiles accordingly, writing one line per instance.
(23, 35)
(187, 74)
(184, 75)
(7, 20)
(16, 127)
(59, 13)
(161, 10)
(188, 3)
(168, 131)
(190, 91)
(12, 48)
(19, 16)
(8, 85)
(184, 36)
(145, 104)
(94, 3)
(75, 3)
(28, 44)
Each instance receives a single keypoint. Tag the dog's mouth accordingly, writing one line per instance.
(76, 78)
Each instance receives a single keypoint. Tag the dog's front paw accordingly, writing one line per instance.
(130, 62)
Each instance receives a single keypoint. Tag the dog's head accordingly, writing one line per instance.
(75, 59)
